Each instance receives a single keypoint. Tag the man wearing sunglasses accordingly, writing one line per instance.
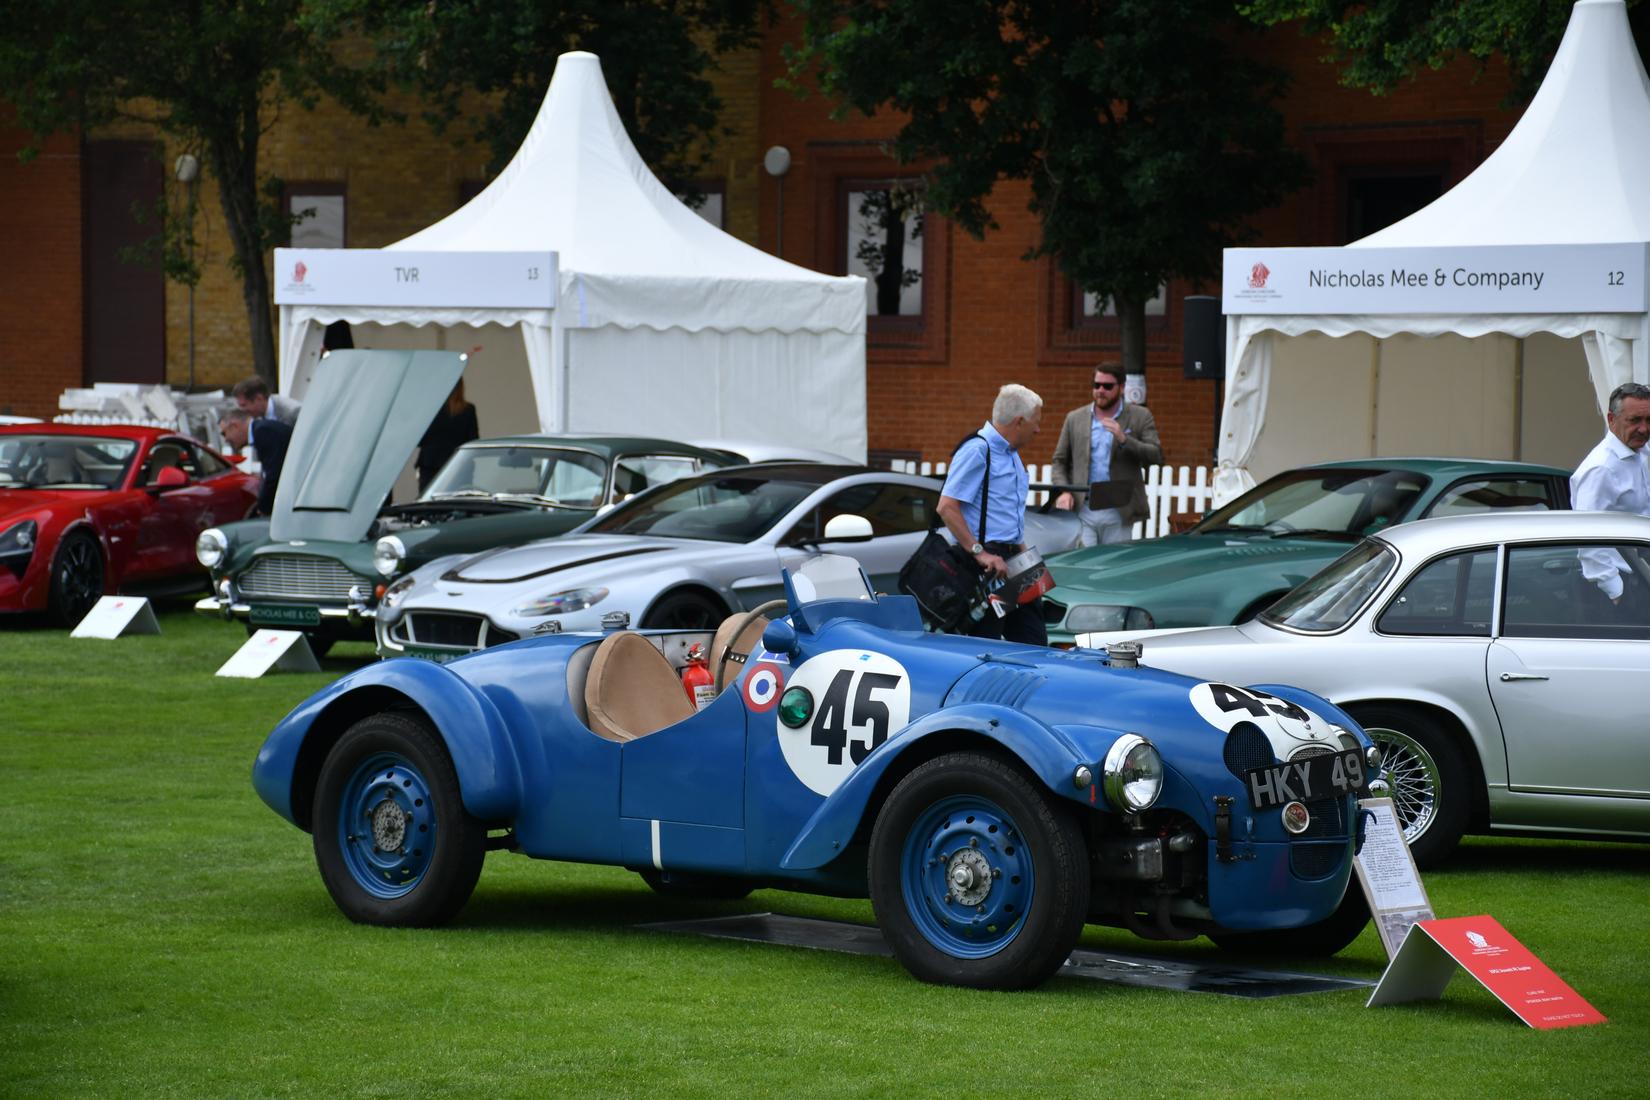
(1107, 445)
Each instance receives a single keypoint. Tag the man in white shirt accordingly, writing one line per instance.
(1614, 478)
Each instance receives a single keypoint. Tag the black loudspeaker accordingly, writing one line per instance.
(1203, 337)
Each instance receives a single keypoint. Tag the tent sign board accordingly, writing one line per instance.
(390, 277)
(271, 650)
(1435, 949)
(113, 616)
(1496, 279)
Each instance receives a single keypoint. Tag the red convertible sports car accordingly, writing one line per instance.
(86, 510)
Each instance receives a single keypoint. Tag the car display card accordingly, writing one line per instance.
(113, 616)
(1388, 875)
(271, 651)
(1434, 949)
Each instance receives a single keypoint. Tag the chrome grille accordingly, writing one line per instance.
(303, 576)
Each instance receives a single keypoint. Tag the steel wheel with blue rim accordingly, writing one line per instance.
(978, 877)
(392, 838)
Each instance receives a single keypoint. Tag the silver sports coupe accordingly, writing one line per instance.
(1496, 660)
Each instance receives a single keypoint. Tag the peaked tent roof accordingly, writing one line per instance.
(630, 253)
(1576, 168)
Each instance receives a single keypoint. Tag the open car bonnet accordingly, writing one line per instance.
(364, 413)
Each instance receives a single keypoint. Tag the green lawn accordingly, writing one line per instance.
(162, 933)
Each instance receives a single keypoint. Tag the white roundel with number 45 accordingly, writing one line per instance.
(858, 700)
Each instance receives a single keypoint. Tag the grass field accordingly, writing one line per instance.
(163, 933)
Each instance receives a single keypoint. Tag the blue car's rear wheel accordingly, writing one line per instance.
(392, 838)
(978, 877)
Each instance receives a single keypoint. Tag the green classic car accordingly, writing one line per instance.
(320, 564)
(1243, 556)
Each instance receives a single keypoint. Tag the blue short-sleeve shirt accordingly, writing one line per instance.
(1005, 516)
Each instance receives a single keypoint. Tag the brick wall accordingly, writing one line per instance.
(40, 276)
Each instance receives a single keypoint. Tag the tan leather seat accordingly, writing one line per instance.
(728, 653)
(632, 691)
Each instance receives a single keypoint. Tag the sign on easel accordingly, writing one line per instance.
(271, 651)
(1387, 873)
(1435, 949)
(113, 616)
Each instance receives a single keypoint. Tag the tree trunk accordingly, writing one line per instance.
(235, 163)
(1131, 326)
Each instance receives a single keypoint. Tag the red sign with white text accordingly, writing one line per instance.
(1501, 964)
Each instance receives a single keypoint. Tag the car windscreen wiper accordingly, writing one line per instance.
(1231, 529)
(464, 494)
(533, 498)
(1317, 533)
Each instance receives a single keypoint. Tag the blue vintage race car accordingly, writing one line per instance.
(990, 798)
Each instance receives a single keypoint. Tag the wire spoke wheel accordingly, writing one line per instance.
(1413, 775)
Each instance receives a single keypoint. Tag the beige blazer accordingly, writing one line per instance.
(1140, 448)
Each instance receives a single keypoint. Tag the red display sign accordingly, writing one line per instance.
(1433, 949)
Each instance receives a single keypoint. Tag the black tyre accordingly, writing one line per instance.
(683, 611)
(1328, 937)
(678, 884)
(978, 877)
(76, 580)
(1428, 776)
(392, 838)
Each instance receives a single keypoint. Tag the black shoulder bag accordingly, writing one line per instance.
(943, 577)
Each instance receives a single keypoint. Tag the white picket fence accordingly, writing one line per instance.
(1170, 490)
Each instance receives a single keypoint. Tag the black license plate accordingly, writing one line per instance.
(439, 656)
(267, 614)
(1323, 776)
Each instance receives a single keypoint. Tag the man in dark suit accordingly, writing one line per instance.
(1107, 446)
(267, 436)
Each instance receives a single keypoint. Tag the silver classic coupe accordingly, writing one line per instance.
(1497, 660)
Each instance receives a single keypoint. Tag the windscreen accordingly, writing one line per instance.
(550, 474)
(64, 461)
(715, 507)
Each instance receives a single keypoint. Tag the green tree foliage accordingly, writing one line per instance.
(212, 76)
(1381, 43)
(1145, 127)
(657, 56)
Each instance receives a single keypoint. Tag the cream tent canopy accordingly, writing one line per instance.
(657, 322)
(1547, 236)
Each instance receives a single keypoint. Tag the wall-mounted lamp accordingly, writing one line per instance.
(186, 168)
(776, 162)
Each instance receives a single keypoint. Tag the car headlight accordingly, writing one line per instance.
(562, 603)
(211, 547)
(394, 593)
(387, 554)
(1132, 773)
(1085, 617)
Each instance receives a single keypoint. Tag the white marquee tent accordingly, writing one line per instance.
(641, 317)
(1474, 326)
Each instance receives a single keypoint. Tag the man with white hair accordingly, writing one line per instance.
(998, 533)
(1614, 478)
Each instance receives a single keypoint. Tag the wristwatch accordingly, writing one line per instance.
(976, 549)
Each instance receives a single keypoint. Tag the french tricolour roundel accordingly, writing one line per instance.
(763, 685)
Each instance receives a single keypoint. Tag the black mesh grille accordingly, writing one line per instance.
(442, 628)
(1319, 860)
(1247, 747)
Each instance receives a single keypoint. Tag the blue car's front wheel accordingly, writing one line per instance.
(392, 838)
(978, 877)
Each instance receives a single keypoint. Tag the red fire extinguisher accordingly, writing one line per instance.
(697, 680)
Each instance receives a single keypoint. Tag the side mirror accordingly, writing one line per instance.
(780, 637)
(847, 528)
(170, 477)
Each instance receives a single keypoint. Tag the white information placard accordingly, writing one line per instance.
(1388, 875)
(113, 616)
(377, 277)
(271, 651)
(1571, 278)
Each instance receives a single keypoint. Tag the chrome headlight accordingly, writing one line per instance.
(395, 592)
(1085, 617)
(562, 603)
(211, 547)
(1132, 774)
(387, 554)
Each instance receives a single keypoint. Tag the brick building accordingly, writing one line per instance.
(71, 312)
